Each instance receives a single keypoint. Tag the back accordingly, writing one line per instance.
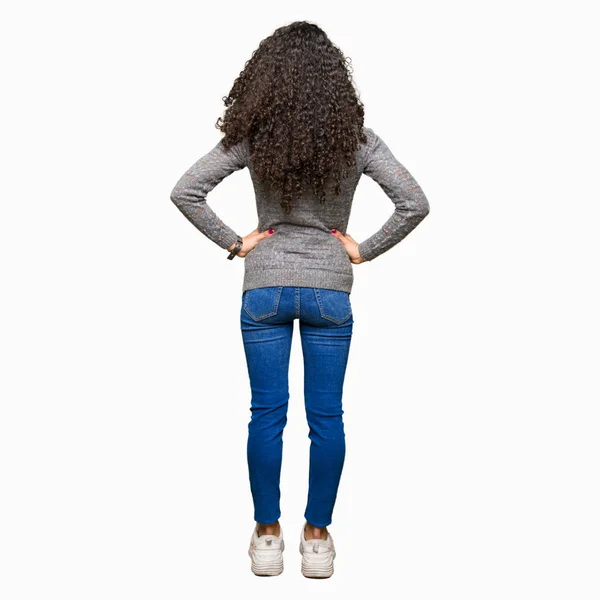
(303, 252)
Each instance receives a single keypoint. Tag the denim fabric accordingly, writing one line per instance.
(267, 321)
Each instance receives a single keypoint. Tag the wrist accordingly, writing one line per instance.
(365, 250)
(235, 248)
(360, 258)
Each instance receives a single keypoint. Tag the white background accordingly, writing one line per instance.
(471, 398)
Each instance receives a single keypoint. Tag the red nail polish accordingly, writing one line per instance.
(271, 231)
(333, 230)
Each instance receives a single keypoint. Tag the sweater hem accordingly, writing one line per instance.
(314, 278)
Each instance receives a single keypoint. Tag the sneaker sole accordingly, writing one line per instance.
(267, 569)
(316, 571)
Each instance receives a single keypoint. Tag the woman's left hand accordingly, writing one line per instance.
(249, 241)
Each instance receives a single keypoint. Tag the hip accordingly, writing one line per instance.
(278, 304)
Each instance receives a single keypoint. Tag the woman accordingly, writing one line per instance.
(294, 119)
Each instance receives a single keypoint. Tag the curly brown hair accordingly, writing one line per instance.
(296, 103)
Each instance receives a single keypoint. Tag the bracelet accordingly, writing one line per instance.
(238, 246)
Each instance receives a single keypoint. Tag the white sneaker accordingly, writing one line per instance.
(317, 556)
(266, 552)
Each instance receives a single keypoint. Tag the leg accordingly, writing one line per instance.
(325, 346)
(267, 346)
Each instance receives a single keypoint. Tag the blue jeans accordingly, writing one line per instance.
(267, 323)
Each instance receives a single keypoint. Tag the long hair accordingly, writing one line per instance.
(296, 104)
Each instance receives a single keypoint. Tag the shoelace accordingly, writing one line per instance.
(268, 544)
(316, 546)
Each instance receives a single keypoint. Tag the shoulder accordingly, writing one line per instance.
(373, 141)
(238, 152)
(370, 134)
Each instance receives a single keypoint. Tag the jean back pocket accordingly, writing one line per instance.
(334, 305)
(261, 303)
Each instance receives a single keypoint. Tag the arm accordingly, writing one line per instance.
(189, 194)
(411, 205)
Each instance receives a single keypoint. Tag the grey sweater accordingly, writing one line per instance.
(303, 251)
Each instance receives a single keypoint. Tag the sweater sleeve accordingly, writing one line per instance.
(189, 194)
(411, 205)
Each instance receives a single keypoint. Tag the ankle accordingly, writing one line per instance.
(269, 528)
(313, 532)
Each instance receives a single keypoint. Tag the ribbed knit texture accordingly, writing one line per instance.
(303, 251)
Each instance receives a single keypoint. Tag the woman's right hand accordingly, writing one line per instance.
(351, 246)
(249, 241)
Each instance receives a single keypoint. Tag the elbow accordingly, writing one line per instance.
(176, 196)
(415, 206)
(422, 208)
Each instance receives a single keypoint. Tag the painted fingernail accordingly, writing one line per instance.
(271, 231)
(333, 230)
